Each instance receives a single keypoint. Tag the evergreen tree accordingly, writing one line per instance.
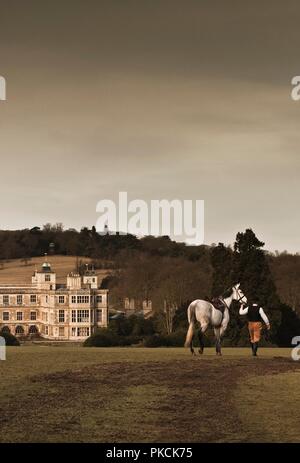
(221, 260)
(251, 269)
(290, 326)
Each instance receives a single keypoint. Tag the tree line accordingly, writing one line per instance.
(172, 274)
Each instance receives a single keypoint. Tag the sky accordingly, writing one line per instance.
(162, 99)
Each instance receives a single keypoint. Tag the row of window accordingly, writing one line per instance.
(83, 331)
(85, 299)
(78, 316)
(61, 299)
(76, 332)
(6, 299)
(20, 315)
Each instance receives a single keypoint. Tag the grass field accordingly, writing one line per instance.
(16, 272)
(76, 394)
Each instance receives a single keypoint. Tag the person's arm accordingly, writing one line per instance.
(243, 310)
(264, 317)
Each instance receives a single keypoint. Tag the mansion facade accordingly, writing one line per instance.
(69, 312)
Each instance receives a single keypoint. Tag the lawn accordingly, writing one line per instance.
(76, 394)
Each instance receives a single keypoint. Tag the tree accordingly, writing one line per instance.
(10, 339)
(222, 263)
(290, 326)
(251, 269)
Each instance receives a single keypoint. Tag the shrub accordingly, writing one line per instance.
(102, 338)
(10, 339)
(106, 338)
(176, 339)
(156, 340)
(129, 340)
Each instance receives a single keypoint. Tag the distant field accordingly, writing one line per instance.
(16, 272)
(76, 394)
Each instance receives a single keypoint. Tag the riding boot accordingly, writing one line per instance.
(255, 348)
(252, 347)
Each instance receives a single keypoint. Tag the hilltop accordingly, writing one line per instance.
(16, 271)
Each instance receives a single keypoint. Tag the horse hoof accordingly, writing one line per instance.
(200, 351)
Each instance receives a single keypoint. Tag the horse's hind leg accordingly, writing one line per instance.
(201, 342)
(218, 341)
(203, 328)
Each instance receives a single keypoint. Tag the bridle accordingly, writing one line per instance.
(238, 292)
(241, 297)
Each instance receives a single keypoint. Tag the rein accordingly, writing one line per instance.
(238, 300)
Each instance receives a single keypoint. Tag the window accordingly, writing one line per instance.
(33, 329)
(83, 316)
(32, 298)
(19, 330)
(83, 331)
(5, 329)
(73, 299)
(73, 316)
(83, 299)
(5, 316)
(19, 316)
(6, 300)
(73, 331)
(99, 315)
(32, 315)
(61, 316)
(19, 299)
(99, 299)
(46, 330)
(61, 299)
(47, 277)
(61, 331)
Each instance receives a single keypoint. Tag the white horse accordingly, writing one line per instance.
(207, 314)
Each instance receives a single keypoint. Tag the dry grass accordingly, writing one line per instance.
(75, 394)
(269, 407)
(15, 272)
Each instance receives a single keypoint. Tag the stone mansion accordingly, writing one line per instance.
(69, 312)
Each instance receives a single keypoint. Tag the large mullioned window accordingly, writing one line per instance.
(80, 316)
(83, 316)
(80, 299)
(83, 299)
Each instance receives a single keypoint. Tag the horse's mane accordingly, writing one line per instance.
(228, 292)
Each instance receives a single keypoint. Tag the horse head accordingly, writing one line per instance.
(238, 294)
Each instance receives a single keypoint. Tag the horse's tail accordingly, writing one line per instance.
(191, 320)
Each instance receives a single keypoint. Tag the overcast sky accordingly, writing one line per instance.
(162, 99)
